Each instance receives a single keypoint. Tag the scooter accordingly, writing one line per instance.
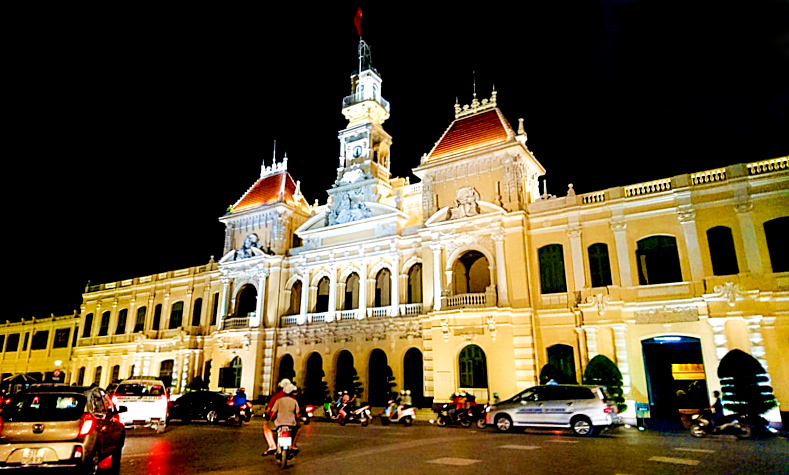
(362, 414)
(702, 426)
(460, 416)
(398, 413)
(477, 413)
(306, 413)
(240, 415)
(284, 440)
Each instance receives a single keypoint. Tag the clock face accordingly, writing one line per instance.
(357, 151)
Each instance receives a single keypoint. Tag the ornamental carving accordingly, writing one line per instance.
(666, 314)
(349, 206)
(250, 242)
(465, 203)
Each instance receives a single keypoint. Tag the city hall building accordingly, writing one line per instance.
(467, 279)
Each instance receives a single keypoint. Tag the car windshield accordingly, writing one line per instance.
(43, 407)
(139, 389)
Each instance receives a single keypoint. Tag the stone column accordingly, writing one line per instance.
(261, 301)
(131, 317)
(186, 315)
(332, 293)
(619, 228)
(755, 336)
(149, 315)
(591, 340)
(577, 255)
(748, 231)
(719, 336)
(437, 274)
(223, 302)
(362, 313)
(687, 217)
(620, 346)
(394, 301)
(501, 271)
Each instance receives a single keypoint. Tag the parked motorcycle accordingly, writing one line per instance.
(461, 417)
(702, 426)
(398, 413)
(284, 440)
(361, 414)
(477, 414)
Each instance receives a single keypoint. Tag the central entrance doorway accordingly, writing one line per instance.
(676, 379)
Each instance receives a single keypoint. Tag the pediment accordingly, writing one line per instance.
(383, 220)
(449, 213)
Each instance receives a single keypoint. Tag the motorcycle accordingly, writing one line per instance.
(284, 441)
(461, 416)
(398, 413)
(701, 426)
(361, 414)
(477, 413)
(240, 415)
(306, 413)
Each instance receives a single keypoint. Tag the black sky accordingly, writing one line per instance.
(132, 129)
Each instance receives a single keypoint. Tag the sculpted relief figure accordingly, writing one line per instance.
(250, 242)
(350, 207)
(465, 203)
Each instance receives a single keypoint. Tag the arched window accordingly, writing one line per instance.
(658, 260)
(776, 232)
(322, 299)
(351, 292)
(346, 376)
(286, 369)
(415, 284)
(552, 278)
(722, 254)
(139, 322)
(295, 299)
(81, 376)
(104, 326)
(383, 281)
(599, 265)
(157, 317)
(97, 376)
(230, 376)
(473, 369)
(471, 273)
(176, 315)
(120, 329)
(247, 301)
(197, 312)
(116, 373)
(88, 324)
(166, 373)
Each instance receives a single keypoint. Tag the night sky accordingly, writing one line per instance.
(132, 130)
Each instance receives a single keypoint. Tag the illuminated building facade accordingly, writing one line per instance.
(470, 279)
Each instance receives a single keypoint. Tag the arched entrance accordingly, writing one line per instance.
(230, 375)
(378, 377)
(246, 301)
(473, 372)
(676, 380)
(562, 358)
(413, 375)
(314, 387)
(344, 372)
(471, 273)
(286, 369)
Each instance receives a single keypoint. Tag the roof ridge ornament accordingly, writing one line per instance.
(275, 167)
(476, 106)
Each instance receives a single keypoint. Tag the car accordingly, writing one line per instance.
(146, 401)
(60, 427)
(586, 410)
(202, 405)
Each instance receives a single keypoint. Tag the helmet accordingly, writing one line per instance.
(284, 382)
(407, 392)
(241, 389)
(402, 391)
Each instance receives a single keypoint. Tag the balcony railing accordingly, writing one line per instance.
(365, 96)
(411, 309)
(377, 312)
(347, 314)
(235, 323)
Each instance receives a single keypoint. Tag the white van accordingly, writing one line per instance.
(146, 403)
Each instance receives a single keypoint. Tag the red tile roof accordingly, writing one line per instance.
(471, 133)
(266, 191)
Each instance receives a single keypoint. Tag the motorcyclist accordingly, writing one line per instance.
(285, 412)
(239, 400)
(269, 426)
(406, 399)
(717, 411)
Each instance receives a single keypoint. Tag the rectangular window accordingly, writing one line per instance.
(121, 328)
(215, 308)
(2, 342)
(104, 328)
(61, 338)
(139, 323)
(40, 340)
(157, 317)
(13, 342)
(176, 315)
(27, 339)
(76, 333)
(197, 312)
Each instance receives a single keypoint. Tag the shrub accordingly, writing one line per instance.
(743, 384)
(601, 371)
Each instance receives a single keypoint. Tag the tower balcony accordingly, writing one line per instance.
(365, 96)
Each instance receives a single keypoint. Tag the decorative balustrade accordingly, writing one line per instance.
(377, 312)
(317, 317)
(709, 176)
(596, 197)
(765, 166)
(235, 323)
(466, 300)
(365, 96)
(649, 187)
(347, 314)
(288, 320)
(409, 309)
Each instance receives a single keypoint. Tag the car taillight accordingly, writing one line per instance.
(87, 423)
(607, 410)
(230, 403)
(115, 399)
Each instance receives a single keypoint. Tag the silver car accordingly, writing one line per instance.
(586, 410)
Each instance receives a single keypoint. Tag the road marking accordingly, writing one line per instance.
(562, 441)
(520, 447)
(454, 461)
(701, 451)
(674, 460)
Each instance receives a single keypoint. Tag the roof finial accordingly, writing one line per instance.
(474, 75)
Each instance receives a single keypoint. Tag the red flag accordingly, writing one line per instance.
(357, 20)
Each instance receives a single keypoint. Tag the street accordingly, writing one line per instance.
(328, 448)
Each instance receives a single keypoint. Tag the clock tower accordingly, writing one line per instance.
(363, 174)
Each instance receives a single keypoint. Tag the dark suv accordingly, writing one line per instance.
(60, 426)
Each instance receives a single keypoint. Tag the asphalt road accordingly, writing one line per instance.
(328, 448)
